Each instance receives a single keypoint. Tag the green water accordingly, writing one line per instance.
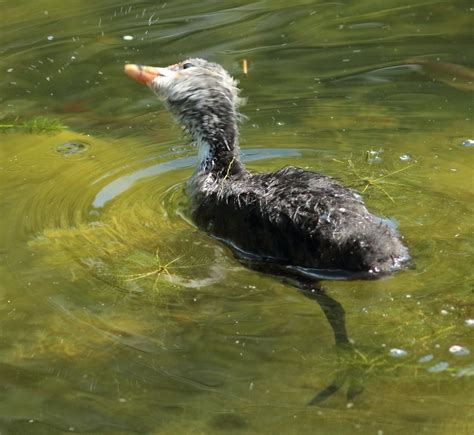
(119, 316)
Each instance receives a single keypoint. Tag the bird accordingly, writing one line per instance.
(292, 222)
(299, 225)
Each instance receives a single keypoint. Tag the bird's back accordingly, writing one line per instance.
(299, 219)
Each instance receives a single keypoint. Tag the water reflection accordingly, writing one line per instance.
(454, 75)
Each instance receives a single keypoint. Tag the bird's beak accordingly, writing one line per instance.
(143, 74)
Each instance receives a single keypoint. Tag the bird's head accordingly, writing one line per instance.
(201, 94)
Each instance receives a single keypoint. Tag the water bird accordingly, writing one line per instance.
(291, 222)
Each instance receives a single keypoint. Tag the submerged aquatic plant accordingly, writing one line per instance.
(352, 368)
(38, 125)
(132, 249)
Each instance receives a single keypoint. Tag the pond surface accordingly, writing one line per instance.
(119, 316)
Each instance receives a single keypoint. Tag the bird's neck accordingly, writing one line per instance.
(218, 147)
(216, 159)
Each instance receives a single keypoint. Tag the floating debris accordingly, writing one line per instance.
(469, 322)
(441, 366)
(156, 271)
(127, 38)
(426, 358)
(375, 181)
(245, 66)
(459, 350)
(468, 143)
(50, 37)
(398, 353)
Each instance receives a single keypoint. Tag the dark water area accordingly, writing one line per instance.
(118, 315)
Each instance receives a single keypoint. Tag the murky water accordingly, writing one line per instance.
(119, 316)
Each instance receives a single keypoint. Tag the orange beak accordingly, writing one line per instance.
(142, 74)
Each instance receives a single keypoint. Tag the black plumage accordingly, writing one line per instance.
(298, 219)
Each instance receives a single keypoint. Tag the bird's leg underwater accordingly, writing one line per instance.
(332, 309)
(336, 317)
(355, 388)
(312, 289)
(327, 392)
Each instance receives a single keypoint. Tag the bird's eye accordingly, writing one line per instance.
(187, 65)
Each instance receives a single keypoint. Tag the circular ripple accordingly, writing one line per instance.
(72, 148)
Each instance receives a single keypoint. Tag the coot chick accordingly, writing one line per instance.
(293, 221)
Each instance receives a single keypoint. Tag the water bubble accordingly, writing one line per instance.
(398, 353)
(426, 358)
(127, 38)
(468, 143)
(469, 322)
(374, 156)
(441, 366)
(405, 157)
(459, 350)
